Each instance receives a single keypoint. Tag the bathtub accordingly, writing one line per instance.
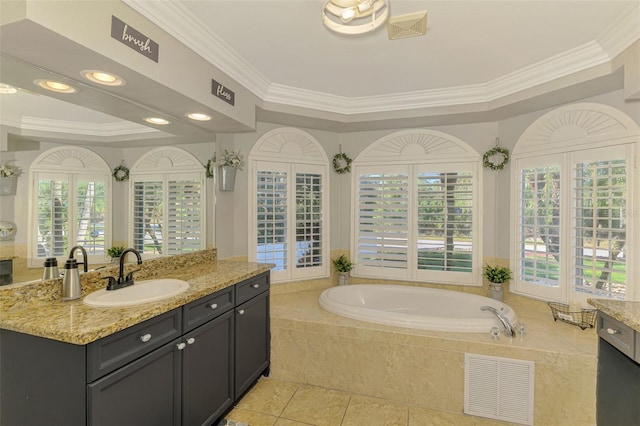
(415, 307)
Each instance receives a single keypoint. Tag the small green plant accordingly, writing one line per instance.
(497, 274)
(115, 251)
(342, 264)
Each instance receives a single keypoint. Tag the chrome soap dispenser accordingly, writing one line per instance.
(71, 288)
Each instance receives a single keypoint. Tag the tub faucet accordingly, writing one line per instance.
(509, 328)
(122, 281)
(84, 256)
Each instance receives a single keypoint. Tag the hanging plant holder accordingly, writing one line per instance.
(488, 161)
(226, 178)
(8, 185)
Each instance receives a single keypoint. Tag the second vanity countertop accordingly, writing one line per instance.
(627, 313)
(37, 310)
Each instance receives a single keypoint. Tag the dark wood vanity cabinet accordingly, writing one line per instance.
(184, 367)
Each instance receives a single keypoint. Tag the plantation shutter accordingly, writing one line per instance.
(90, 203)
(539, 233)
(383, 228)
(70, 211)
(52, 215)
(445, 221)
(271, 217)
(600, 201)
(184, 215)
(148, 215)
(309, 220)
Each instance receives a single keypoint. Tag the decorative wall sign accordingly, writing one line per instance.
(219, 91)
(137, 41)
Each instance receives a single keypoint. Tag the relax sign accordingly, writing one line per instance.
(134, 39)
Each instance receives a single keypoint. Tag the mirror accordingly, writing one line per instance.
(32, 123)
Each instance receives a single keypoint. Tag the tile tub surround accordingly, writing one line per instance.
(426, 368)
(37, 308)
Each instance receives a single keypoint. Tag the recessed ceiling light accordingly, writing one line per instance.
(156, 120)
(7, 89)
(199, 116)
(103, 78)
(55, 86)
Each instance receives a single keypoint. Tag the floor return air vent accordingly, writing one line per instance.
(499, 388)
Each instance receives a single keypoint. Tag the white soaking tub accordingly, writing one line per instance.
(415, 307)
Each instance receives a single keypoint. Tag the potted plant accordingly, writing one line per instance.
(8, 178)
(115, 252)
(496, 275)
(343, 266)
(231, 162)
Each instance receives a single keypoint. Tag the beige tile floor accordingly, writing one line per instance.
(278, 403)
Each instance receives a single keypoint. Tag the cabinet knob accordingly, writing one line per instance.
(612, 331)
(191, 340)
(181, 346)
(145, 338)
(255, 285)
(213, 305)
(241, 311)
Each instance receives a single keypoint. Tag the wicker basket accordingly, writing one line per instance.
(585, 318)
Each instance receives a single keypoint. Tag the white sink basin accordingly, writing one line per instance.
(141, 292)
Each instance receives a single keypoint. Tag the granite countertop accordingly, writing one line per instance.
(37, 308)
(627, 313)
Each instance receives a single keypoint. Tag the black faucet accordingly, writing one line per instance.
(84, 256)
(122, 281)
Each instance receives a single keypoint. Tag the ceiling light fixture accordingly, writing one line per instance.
(55, 86)
(7, 89)
(354, 16)
(104, 78)
(198, 116)
(156, 120)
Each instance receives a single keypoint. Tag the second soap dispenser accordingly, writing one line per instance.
(71, 288)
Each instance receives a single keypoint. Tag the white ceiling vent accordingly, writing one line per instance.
(409, 25)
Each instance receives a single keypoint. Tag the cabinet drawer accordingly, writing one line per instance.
(251, 287)
(202, 310)
(619, 335)
(112, 352)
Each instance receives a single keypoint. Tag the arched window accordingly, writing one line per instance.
(417, 209)
(289, 205)
(574, 183)
(70, 205)
(167, 187)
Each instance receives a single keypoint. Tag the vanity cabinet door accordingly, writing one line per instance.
(253, 339)
(208, 371)
(144, 392)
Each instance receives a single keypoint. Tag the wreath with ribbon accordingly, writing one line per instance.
(121, 173)
(342, 163)
(498, 150)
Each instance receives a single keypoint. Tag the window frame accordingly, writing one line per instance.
(293, 151)
(584, 132)
(165, 165)
(420, 151)
(72, 164)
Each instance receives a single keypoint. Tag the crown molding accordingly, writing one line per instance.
(176, 20)
(188, 29)
(121, 128)
(622, 32)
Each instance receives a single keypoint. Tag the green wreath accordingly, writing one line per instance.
(121, 173)
(209, 168)
(342, 163)
(497, 150)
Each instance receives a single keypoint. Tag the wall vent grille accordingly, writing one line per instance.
(499, 388)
